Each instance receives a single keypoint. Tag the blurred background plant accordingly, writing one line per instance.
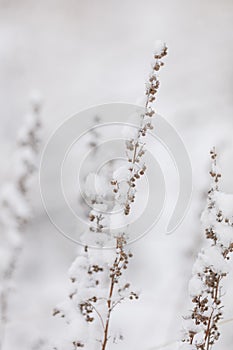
(15, 209)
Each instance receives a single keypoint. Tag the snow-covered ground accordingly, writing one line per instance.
(82, 53)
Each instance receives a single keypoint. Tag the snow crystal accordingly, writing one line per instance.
(80, 263)
(93, 239)
(129, 132)
(159, 47)
(208, 218)
(199, 338)
(224, 233)
(186, 346)
(117, 219)
(36, 98)
(122, 173)
(95, 185)
(210, 257)
(215, 259)
(224, 202)
(191, 326)
(196, 286)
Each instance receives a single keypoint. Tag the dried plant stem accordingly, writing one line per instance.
(106, 328)
(201, 328)
(135, 146)
(208, 331)
(107, 273)
(118, 265)
(137, 153)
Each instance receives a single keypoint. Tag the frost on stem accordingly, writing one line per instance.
(201, 326)
(98, 283)
(15, 208)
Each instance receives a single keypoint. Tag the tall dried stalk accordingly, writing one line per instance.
(201, 326)
(101, 280)
(135, 152)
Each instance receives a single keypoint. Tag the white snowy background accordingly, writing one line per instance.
(82, 53)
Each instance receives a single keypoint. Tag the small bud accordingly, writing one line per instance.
(91, 217)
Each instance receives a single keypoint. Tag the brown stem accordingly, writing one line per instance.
(217, 289)
(209, 327)
(208, 331)
(109, 304)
